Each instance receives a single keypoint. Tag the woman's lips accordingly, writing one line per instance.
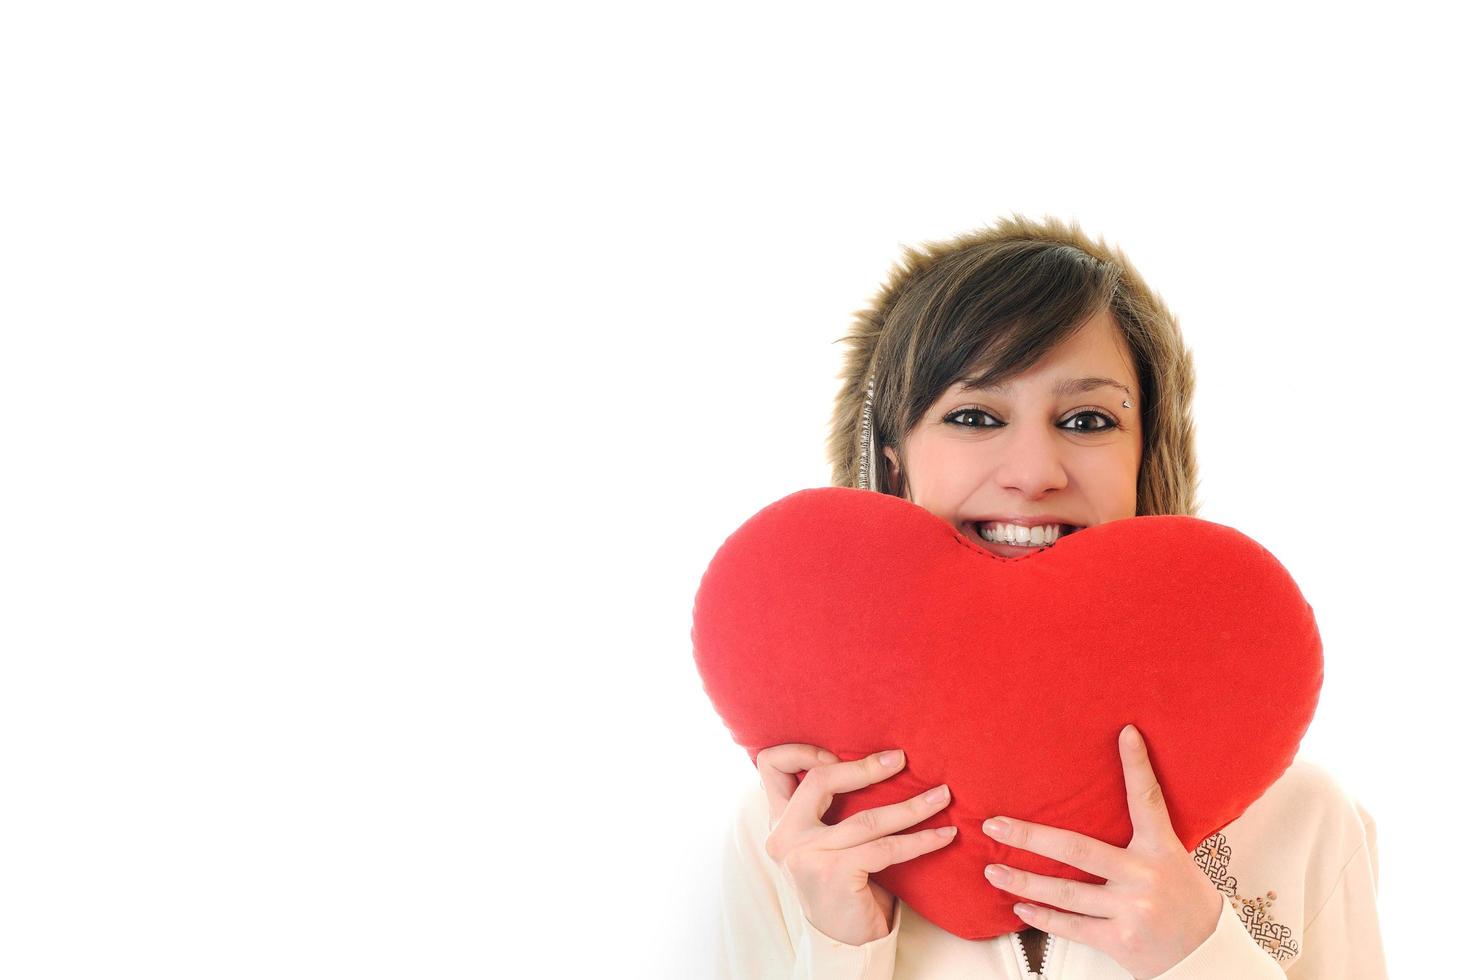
(1002, 549)
(1011, 550)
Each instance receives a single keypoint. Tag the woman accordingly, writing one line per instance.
(1022, 382)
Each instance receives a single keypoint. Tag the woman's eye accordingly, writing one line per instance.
(971, 412)
(1108, 422)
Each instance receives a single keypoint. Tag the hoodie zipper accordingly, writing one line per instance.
(1045, 956)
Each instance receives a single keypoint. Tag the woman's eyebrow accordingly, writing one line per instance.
(1066, 386)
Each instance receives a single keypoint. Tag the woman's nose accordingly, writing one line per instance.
(1032, 462)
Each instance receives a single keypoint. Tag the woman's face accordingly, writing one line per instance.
(1030, 453)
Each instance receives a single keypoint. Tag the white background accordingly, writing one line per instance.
(377, 380)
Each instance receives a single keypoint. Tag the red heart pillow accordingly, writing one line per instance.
(858, 621)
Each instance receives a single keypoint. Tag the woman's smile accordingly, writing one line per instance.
(1000, 537)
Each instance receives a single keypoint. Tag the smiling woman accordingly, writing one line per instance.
(1014, 464)
(1022, 382)
(1003, 311)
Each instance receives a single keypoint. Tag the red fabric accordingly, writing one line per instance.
(858, 621)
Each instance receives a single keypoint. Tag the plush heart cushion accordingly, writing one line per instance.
(858, 621)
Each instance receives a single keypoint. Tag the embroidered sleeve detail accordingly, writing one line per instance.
(1213, 858)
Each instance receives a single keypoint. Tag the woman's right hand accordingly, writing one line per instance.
(830, 866)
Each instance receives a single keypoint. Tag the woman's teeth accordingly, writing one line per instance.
(1016, 534)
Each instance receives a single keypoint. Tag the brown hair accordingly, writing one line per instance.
(1002, 298)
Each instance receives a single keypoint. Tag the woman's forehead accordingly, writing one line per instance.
(1060, 386)
(1094, 356)
(1095, 352)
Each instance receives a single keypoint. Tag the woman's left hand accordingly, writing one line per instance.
(1156, 907)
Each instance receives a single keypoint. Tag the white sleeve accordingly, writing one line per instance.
(1230, 953)
(1340, 941)
(1342, 937)
(764, 934)
(823, 958)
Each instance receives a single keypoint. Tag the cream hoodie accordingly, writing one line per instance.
(1297, 874)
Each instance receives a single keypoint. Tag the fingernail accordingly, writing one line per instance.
(889, 759)
(996, 826)
(829, 757)
(937, 795)
(947, 831)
